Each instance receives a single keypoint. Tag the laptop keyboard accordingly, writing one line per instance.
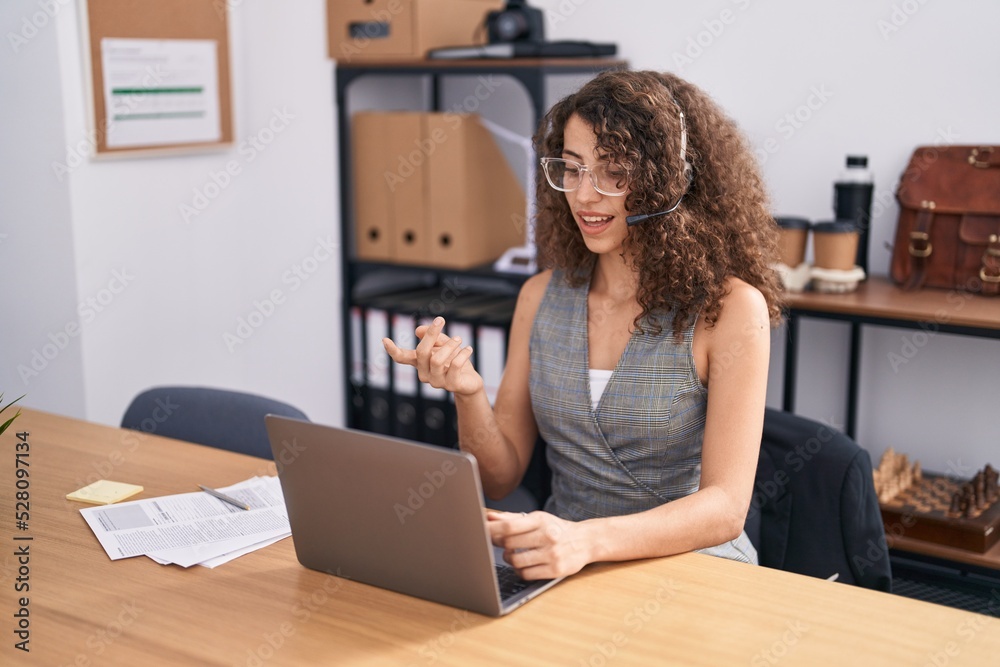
(510, 583)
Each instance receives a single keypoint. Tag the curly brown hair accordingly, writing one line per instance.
(723, 226)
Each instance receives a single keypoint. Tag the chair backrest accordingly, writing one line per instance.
(814, 509)
(216, 417)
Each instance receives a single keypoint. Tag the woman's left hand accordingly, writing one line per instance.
(540, 545)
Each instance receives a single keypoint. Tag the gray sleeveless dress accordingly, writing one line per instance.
(641, 447)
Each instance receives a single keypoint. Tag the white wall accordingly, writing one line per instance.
(881, 77)
(169, 289)
(38, 262)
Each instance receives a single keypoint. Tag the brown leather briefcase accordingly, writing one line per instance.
(948, 234)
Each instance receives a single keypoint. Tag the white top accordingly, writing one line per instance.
(598, 381)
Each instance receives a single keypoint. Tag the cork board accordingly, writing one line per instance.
(164, 112)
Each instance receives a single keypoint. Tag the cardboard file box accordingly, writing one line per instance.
(365, 30)
(432, 189)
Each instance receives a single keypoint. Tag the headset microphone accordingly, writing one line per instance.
(632, 220)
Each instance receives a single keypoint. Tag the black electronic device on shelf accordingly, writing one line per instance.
(562, 49)
(518, 31)
(517, 22)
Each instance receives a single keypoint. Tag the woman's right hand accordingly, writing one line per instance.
(440, 360)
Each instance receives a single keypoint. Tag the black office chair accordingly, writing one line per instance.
(216, 417)
(814, 509)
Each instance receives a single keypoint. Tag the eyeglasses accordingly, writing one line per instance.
(608, 178)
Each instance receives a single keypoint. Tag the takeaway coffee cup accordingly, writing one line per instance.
(792, 242)
(835, 245)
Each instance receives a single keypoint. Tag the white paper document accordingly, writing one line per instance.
(193, 528)
(160, 91)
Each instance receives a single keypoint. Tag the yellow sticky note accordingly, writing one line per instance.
(104, 492)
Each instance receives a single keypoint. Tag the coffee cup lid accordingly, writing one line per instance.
(787, 222)
(835, 227)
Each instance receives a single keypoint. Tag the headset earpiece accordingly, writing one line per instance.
(687, 170)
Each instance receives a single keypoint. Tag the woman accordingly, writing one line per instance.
(641, 354)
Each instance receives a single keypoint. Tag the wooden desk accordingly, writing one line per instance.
(878, 301)
(265, 609)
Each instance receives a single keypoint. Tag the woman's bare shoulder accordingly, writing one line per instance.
(743, 302)
(742, 308)
(532, 292)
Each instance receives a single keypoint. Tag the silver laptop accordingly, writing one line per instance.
(393, 513)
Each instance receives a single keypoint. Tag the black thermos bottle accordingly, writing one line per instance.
(853, 201)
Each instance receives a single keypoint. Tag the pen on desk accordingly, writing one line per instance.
(222, 496)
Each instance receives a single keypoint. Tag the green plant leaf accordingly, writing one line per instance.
(7, 423)
(11, 403)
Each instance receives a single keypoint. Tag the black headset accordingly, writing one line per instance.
(688, 174)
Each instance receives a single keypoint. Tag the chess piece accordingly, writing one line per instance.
(968, 500)
(991, 482)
